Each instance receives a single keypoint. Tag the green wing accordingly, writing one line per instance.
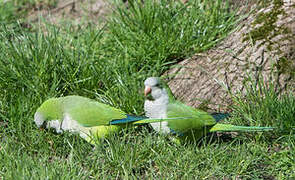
(196, 119)
(89, 113)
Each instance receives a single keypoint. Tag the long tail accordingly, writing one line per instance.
(138, 120)
(229, 127)
(145, 120)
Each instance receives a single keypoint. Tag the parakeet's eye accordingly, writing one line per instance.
(45, 122)
(150, 97)
(160, 86)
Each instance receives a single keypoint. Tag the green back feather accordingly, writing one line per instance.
(89, 113)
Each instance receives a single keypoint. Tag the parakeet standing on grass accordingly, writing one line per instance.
(184, 121)
(89, 118)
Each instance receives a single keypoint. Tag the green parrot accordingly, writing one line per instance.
(90, 119)
(174, 117)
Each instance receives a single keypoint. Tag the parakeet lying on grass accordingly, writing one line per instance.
(184, 121)
(91, 119)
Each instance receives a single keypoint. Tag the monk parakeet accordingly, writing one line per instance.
(184, 121)
(91, 119)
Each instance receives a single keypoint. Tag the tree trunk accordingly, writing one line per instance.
(263, 46)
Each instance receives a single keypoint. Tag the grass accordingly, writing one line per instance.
(263, 105)
(159, 32)
(109, 64)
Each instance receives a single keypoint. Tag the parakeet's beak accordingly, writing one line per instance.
(147, 90)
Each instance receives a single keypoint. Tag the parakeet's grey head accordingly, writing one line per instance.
(49, 110)
(154, 88)
(152, 81)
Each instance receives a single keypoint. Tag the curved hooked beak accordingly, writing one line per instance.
(147, 90)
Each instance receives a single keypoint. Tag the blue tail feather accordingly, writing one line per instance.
(128, 119)
(220, 116)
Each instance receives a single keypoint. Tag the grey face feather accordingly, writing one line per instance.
(39, 119)
(152, 81)
(156, 107)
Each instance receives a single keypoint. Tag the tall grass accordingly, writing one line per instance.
(261, 104)
(155, 33)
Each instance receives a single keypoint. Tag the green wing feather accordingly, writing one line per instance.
(197, 119)
(90, 113)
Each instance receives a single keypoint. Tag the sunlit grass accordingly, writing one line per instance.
(262, 105)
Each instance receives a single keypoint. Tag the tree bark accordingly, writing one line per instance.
(263, 46)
